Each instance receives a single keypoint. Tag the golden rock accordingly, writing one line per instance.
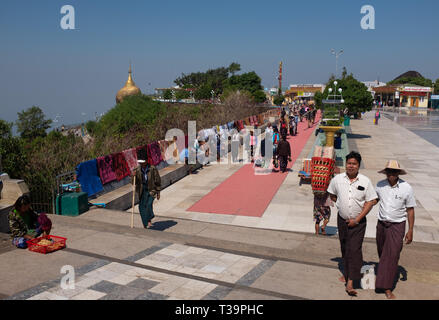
(129, 89)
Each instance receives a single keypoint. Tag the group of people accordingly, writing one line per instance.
(354, 196)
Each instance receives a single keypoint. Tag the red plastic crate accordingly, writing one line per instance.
(58, 243)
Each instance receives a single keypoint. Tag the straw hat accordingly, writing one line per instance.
(394, 165)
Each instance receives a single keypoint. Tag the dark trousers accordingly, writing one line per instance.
(389, 239)
(283, 161)
(145, 207)
(351, 243)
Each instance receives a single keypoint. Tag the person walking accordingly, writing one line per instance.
(284, 153)
(354, 196)
(148, 186)
(253, 143)
(276, 140)
(309, 118)
(322, 211)
(235, 146)
(396, 205)
(377, 116)
(283, 127)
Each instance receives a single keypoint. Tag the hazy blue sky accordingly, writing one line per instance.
(71, 72)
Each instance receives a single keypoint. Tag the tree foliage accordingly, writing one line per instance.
(5, 129)
(133, 111)
(278, 100)
(436, 87)
(420, 81)
(221, 80)
(355, 94)
(31, 123)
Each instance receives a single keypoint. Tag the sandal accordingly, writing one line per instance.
(351, 292)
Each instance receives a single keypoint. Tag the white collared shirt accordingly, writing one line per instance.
(395, 200)
(350, 200)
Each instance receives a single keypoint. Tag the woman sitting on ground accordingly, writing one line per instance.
(26, 224)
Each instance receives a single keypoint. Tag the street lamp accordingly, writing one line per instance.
(336, 59)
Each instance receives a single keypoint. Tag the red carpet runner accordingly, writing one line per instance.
(247, 194)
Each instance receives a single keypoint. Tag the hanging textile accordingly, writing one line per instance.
(105, 168)
(241, 125)
(131, 158)
(120, 166)
(163, 146)
(155, 154)
(87, 175)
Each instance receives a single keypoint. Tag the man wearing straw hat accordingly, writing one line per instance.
(396, 205)
(354, 196)
(148, 185)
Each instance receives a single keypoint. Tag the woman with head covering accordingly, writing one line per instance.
(26, 224)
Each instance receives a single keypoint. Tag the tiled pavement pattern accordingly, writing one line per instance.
(105, 280)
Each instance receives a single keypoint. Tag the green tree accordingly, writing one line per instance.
(134, 111)
(278, 100)
(5, 129)
(182, 94)
(234, 67)
(167, 94)
(436, 87)
(31, 123)
(356, 97)
(259, 96)
(204, 92)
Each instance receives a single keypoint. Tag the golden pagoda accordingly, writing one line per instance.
(130, 89)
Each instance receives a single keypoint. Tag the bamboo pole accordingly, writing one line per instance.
(132, 208)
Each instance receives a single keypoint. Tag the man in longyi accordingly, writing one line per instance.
(396, 206)
(354, 196)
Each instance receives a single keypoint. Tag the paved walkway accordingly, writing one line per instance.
(210, 256)
(249, 191)
(291, 207)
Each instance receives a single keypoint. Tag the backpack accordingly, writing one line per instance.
(276, 138)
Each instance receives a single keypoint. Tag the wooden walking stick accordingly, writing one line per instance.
(132, 208)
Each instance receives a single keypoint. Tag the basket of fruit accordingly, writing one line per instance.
(46, 244)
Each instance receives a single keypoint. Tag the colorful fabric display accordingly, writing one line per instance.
(131, 158)
(163, 146)
(241, 125)
(230, 125)
(250, 119)
(105, 168)
(120, 166)
(155, 154)
(255, 120)
(87, 175)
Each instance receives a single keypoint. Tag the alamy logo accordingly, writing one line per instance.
(68, 21)
(368, 21)
(68, 281)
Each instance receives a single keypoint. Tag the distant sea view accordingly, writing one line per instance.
(424, 123)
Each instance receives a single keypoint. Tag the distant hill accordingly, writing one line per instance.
(413, 78)
(409, 74)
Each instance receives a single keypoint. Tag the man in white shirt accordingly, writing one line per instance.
(354, 197)
(397, 203)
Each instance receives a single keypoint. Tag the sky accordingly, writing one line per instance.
(76, 73)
